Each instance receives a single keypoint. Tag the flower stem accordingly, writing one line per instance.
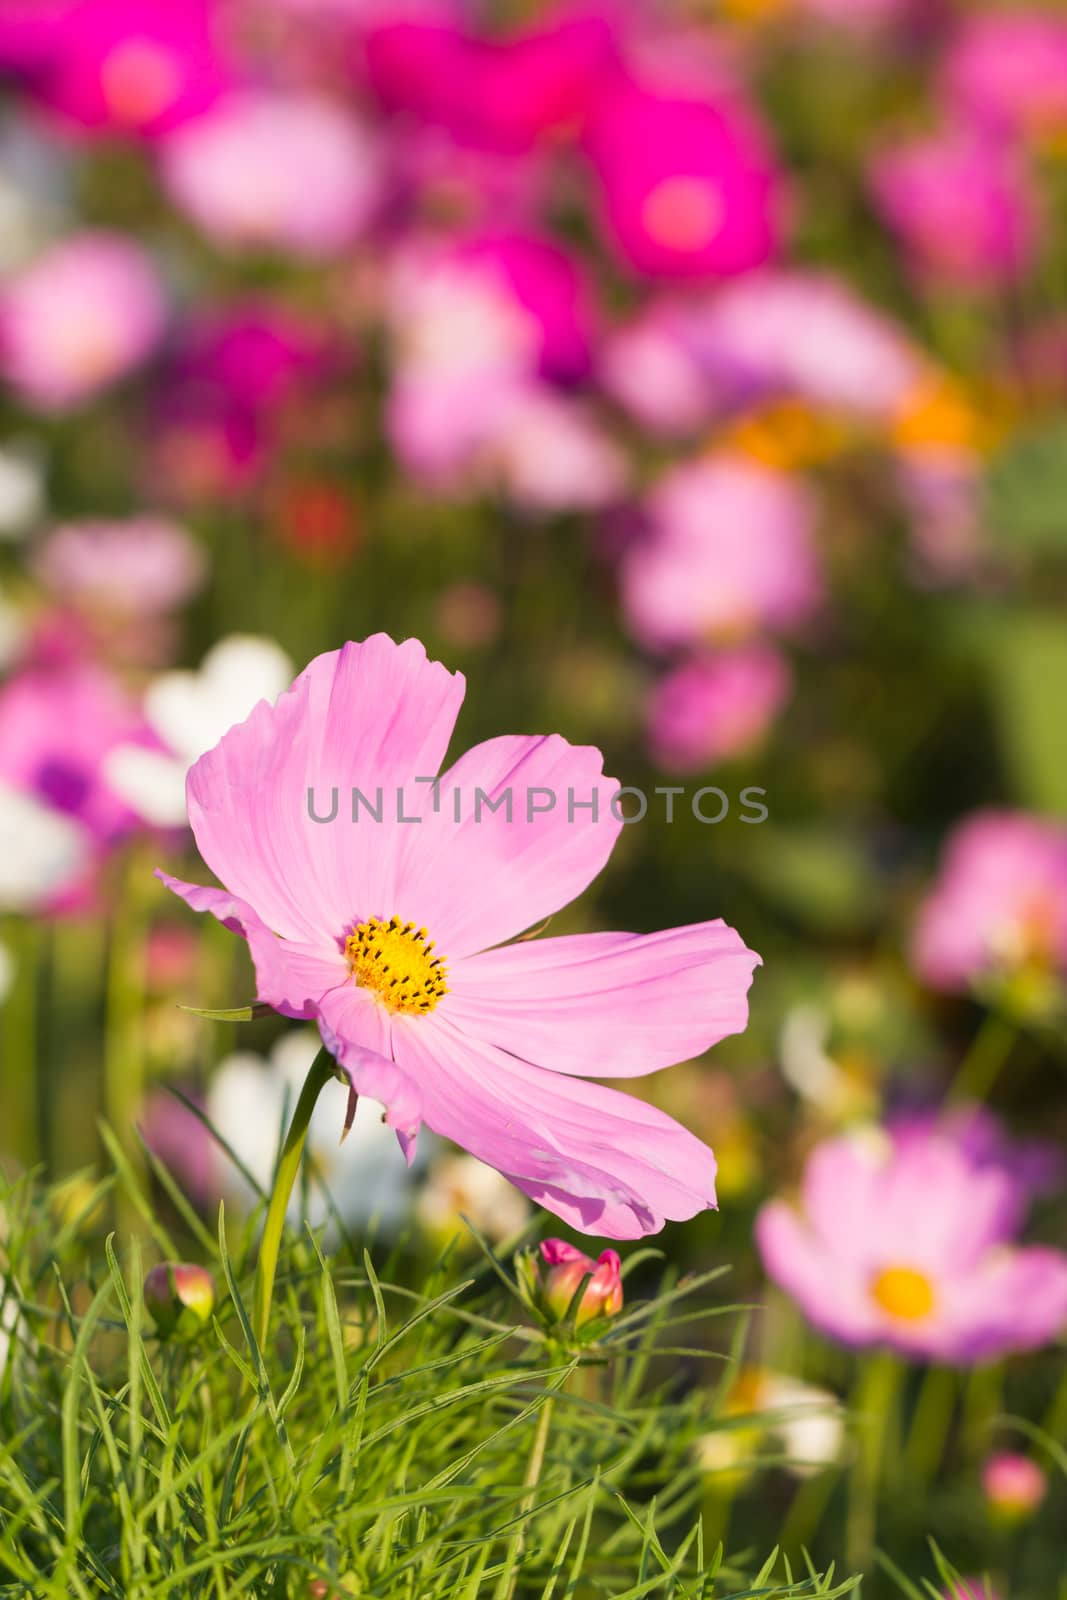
(981, 1065)
(533, 1475)
(875, 1401)
(322, 1069)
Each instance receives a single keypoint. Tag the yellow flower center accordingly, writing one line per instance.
(904, 1293)
(395, 960)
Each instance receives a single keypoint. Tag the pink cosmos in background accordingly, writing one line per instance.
(775, 333)
(546, 283)
(962, 205)
(502, 94)
(911, 1245)
(998, 905)
(1036, 1166)
(143, 564)
(83, 314)
(292, 171)
(729, 550)
(221, 398)
(124, 66)
(57, 727)
(1007, 69)
(384, 934)
(1014, 1486)
(717, 706)
(687, 187)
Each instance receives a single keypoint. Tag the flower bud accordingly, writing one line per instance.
(1014, 1486)
(566, 1269)
(180, 1297)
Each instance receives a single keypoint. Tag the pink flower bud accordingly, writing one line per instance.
(1014, 1486)
(567, 1267)
(180, 1298)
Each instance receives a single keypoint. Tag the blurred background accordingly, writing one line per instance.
(694, 378)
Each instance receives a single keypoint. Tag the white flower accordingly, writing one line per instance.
(804, 1422)
(41, 852)
(462, 1186)
(190, 711)
(21, 490)
(250, 1101)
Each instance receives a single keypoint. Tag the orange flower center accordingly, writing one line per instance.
(394, 960)
(904, 1293)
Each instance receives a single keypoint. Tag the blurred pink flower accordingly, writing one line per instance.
(688, 188)
(82, 315)
(972, 1589)
(108, 65)
(1014, 1485)
(546, 283)
(294, 172)
(501, 94)
(910, 1245)
(771, 334)
(729, 550)
(221, 397)
(142, 565)
(716, 706)
(999, 904)
(1008, 70)
(491, 1047)
(548, 452)
(1036, 1166)
(57, 728)
(962, 205)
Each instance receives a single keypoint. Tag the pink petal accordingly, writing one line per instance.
(290, 976)
(605, 1162)
(357, 1032)
(823, 1287)
(367, 715)
(607, 1005)
(484, 879)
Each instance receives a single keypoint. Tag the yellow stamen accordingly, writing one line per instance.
(395, 960)
(904, 1293)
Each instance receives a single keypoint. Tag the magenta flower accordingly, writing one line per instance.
(546, 283)
(122, 65)
(294, 172)
(909, 1245)
(390, 935)
(999, 905)
(82, 315)
(687, 188)
(501, 94)
(1007, 69)
(730, 550)
(961, 204)
(716, 706)
(1014, 1486)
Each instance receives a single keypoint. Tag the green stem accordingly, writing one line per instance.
(322, 1069)
(931, 1424)
(19, 1019)
(876, 1395)
(980, 1067)
(530, 1482)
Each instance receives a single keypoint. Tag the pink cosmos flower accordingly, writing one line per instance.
(145, 564)
(1008, 70)
(716, 706)
(500, 94)
(79, 317)
(999, 904)
(1036, 1166)
(57, 727)
(390, 935)
(546, 283)
(972, 1589)
(1014, 1486)
(688, 188)
(294, 172)
(108, 65)
(910, 1245)
(730, 550)
(962, 205)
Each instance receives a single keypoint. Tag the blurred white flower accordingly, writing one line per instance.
(250, 1102)
(190, 712)
(805, 1423)
(41, 852)
(21, 490)
(462, 1186)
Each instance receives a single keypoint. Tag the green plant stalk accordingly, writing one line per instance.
(19, 1020)
(533, 1475)
(322, 1069)
(875, 1402)
(980, 1067)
